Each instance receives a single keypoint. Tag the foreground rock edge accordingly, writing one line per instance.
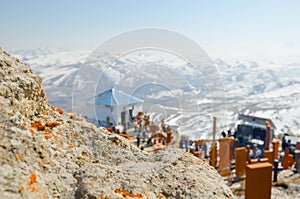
(47, 153)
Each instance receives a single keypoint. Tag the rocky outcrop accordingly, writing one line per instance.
(47, 153)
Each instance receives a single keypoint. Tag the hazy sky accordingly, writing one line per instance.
(253, 27)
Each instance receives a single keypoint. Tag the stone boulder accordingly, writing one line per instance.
(47, 153)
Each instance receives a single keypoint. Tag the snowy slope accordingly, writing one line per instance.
(181, 94)
(58, 71)
(271, 91)
(26, 54)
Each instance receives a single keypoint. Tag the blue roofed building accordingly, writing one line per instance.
(120, 107)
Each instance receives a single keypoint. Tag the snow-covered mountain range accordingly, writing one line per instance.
(177, 91)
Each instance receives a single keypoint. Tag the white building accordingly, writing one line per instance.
(115, 104)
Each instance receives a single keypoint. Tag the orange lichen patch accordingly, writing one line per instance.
(41, 128)
(21, 189)
(48, 136)
(31, 131)
(35, 124)
(72, 116)
(127, 194)
(138, 195)
(55, 148)
(70, 147)
(118, 191)
(127, 136)
(52, 124)
(58, 133)
(20, 157)
(38, 125)
(60, 111)
(32, 180)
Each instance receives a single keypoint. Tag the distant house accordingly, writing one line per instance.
(256, 120)
(115, 104)
(251, 127)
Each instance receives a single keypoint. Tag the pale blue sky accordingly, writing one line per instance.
(218, 26)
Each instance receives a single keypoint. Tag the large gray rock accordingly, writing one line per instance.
(46, 153)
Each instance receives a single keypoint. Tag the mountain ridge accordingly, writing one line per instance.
(243, 81)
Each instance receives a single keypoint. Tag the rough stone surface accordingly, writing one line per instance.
(289, 183)
(46, 153)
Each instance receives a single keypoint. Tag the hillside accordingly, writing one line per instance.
(261, 88)
(48, 153)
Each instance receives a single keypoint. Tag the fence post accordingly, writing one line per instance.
(275, 170)
(275, 144)
(225, 159)
(240, 161)
(297, 157)
(258, 181)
